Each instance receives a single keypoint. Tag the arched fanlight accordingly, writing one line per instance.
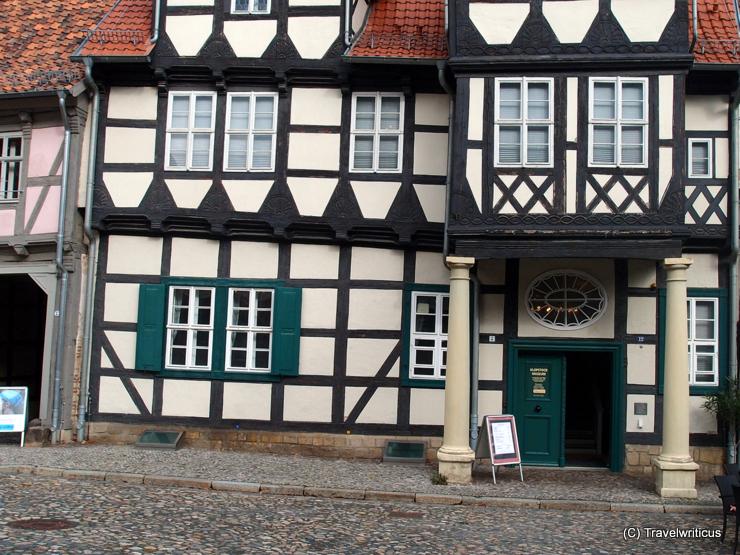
(565, 300)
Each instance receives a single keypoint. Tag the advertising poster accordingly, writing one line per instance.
(13, 407)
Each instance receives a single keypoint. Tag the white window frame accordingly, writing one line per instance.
(251, 329)
(190, 131)
(250, 132)
(191, 328)
(694, 343)
(377, 132)
(250, 10)
(710, 161)
(5, 160)
(438, 337)
(523, 121)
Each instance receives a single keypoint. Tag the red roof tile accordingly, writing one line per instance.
(403, 29)
(37, 38)
(124, 31)
(717, 40)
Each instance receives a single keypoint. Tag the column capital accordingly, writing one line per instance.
(460, 262)
(677, 263)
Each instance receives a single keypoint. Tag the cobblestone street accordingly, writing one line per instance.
(123, 518)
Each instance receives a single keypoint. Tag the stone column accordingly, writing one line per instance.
(455, 456)
(675, 471)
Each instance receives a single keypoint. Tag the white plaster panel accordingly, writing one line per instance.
(132, 103)
(314, 151)
(358, 15)
(643, 21)
(489, 403)
(432, 200)
(121, 302)
(427, 406)
(641, 364)
(432, 109)
(707, 113)
(105, 362)
(188, 193)
(124, 345)
(700, 420)
(134, 255)
(382, 408)
(430, 153)
(250, 39)
(311, 194)
(492, 314)
(378, 264)
(570, 20)
(430, 268)
(645, 424)
(491, 361)
(113, 397)
(316, 356)
(721, 158)
(247, 195)
(366, 356)
(316, 107)
(307, 403)
(247, 401)
(572, 109)
(641, 315)
(129, 145)
(186, 398)
(375, 197)
(189, 33)
(474, 173)
(491, 272)
(314, 261)
(602, 270)
(475, 109)
(253, 260)
(665, 105)
(704, 272)
(194, 257)
(127, 189)
(641, 273)
(499, 23)
(374, 309)
(319, 308)
(571, 184)
(313, 36)
(145, 389)
(665, 170)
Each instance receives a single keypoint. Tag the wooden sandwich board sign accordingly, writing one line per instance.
(13, 409)
(498, 433)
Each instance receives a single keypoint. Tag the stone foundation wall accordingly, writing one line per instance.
(283, 442)
(638, 457)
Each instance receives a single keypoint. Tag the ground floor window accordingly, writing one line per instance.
(429, 316)
(703, 319)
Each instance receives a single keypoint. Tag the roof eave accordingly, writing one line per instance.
(392, 60)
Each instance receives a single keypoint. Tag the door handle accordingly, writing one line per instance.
(538, 409)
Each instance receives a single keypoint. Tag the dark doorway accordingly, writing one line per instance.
(588, 408)
(22, 323)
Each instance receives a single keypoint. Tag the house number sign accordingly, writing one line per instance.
(539, 380)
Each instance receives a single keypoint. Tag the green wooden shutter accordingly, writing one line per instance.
(286, 331)
(406, 336)
(150, 327)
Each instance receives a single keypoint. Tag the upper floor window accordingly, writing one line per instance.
(190, 127)
(377, 132)
(703, 324)
(700, 158)
(618, 119)
(11, 156)
(428, 346)
(250, 6)
(523, 127)
(251, 123)
(190, 328)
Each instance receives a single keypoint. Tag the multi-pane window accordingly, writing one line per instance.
(190, 124)
(700, 158)
(11, 156)
(190, 328)
(523, 128)
(618, 120)
(249, 330)
(703, 332)
(251, 123)
(377, 132)
(250, 6)
(429, 315)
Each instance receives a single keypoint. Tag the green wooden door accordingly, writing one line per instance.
(539, 408)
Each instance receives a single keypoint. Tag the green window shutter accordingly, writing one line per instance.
(286, 331)
(150, 327)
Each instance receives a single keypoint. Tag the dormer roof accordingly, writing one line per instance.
(718, 37)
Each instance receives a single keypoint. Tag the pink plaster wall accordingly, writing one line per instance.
(45, 145)
(32, 197)
(7, 222)
(47, 218)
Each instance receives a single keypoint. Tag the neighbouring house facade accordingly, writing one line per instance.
(287, 253)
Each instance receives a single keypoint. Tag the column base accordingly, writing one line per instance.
(675, 478)
(456, 464)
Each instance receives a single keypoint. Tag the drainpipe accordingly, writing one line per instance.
(694, 30)
(155, 31)
(448, 183)
(348, 22)
(474, 357)
(60, 311)
(92, 250)
(734, 249)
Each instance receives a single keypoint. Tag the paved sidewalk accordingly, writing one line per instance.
(353, 479)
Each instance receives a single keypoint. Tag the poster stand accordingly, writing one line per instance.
(498, 432)
(13, 411)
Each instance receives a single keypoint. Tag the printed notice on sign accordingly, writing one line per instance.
(13, 409)
(503, 439)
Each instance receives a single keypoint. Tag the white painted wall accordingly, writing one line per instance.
(707, 113)
(648, 422)
(382, 408)
(189, 33)
(186, 398)
(194, 257)
(319, 308)
(641, 313)
(366, 356)
(307, 403)
(316, 356)
(113, 397)
(127, 189)
(374, 309)
(132, 103)
(253, 260)
(641, 364)
(121, 302)
(250, 39)
(247, 401)
(314, 261)
(134, 255)
(376, 264)
(316, 107)
(129, 145)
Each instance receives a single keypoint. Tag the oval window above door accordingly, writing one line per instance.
(565, 300)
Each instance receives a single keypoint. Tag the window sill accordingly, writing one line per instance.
(422, 383)
(217, 376)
